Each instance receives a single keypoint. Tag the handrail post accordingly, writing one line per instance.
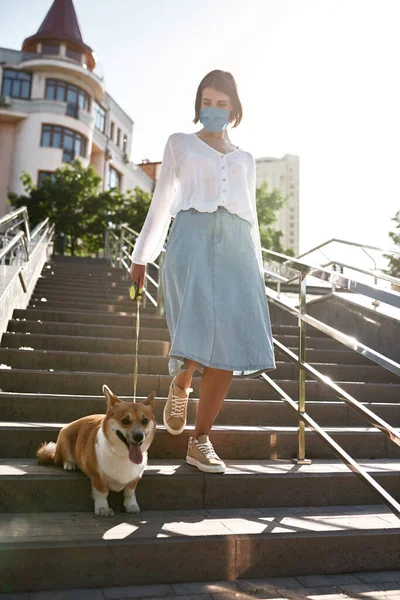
(160, 289)
(26, 224)
(121, 243)
(106, 252)
(301, 440)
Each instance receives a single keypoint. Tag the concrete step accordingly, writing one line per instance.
(63, 360)
(327, 355)
(85, 295)
(128, 306)
(64, 382)
(20, 439)
(55, 407)
(66, 274)
(174, 485)
(33, 314)
(73, 316)
(59, 274)
(91, 330)
(212, 545)
(83, 285)
(153, 347)
(84, 344)
(122, 331)
(291, 340)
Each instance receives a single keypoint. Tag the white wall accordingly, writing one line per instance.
(30, 156)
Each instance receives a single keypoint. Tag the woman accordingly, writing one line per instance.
(215, 303)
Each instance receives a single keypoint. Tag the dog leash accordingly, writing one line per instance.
(136, 294)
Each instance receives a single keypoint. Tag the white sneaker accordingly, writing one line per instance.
(175, 409)
(201, 454)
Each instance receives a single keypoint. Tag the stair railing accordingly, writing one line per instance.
(22, 255)
(340, 280)
(118, 250)
(329, 261)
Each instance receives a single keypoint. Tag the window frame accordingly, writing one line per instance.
(96, 113)
(64, 132)
(112, 169)
(47, 174)
(74, 55)
(52, 46)
(65, 86)
(18, 72)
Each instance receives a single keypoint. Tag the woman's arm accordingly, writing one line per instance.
(255, 232)
(154, 231)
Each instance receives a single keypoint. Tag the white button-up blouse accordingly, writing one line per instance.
(193, 174)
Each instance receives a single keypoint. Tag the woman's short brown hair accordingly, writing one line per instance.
(224, 82)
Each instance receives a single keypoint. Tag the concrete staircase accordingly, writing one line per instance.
(264, 517)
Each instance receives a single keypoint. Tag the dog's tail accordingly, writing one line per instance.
(46, 452)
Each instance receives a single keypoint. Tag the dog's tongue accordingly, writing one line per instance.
(135, 453)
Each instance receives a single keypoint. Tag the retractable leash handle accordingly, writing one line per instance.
(135, 293)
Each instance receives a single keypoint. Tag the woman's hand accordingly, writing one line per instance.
(138, 274)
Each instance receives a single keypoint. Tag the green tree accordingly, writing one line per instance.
(268, 206)
(394, 261)
(62, 198)
(72, 200)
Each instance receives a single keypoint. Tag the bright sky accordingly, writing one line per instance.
(317, 78)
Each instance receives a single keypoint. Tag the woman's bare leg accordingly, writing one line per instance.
(214, 387)
(184, 380)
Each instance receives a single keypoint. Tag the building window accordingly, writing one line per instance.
(66, 92)
(99, 117)
(118, 137)
(114, 178)
(50, 49)
(72, 143)
(16, 84)
(124, 143)
(112, 127)
(42, 176)
(73, 55)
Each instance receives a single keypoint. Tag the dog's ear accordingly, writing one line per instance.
(111, 398)
(150, 400)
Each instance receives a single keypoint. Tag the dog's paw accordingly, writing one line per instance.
(104, 511)
(69, 466)
(132, 508)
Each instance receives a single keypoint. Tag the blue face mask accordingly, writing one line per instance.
(214, 119)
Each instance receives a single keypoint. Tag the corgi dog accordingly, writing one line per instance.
(110, 449)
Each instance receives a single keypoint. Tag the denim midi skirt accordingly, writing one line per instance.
(215, 303)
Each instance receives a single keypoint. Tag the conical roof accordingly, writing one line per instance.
(61, 21)
(60, 25)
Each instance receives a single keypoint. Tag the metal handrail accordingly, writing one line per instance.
(119, 255)
(39, 228)
(353, 285)
(349, 341)
(362, 473)
(29, 240)
(348, 243)
(14, 242)
(374, 274)
(390, 297)
(13, 214)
